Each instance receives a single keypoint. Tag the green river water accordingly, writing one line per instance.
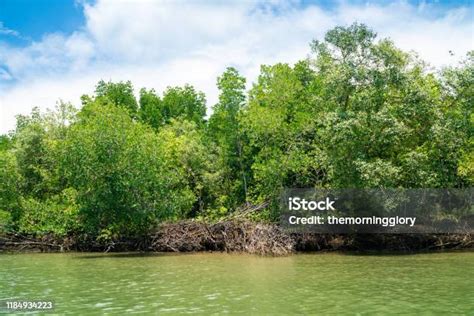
(213, 283)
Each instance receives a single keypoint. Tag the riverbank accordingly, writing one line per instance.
(238, 236)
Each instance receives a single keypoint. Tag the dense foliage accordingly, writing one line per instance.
(358, 113)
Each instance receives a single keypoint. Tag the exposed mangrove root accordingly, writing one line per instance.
(18, 242)
(229, 236)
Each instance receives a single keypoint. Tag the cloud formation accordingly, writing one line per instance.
(6, 31)
(156, 44)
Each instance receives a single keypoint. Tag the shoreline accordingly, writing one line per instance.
(139, 253)
(236, 236)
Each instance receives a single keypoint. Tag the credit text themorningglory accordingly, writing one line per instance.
(368, 220)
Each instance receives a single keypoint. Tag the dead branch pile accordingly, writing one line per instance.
(229, 236)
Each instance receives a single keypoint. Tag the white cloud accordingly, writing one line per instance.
(6, 31)
(156, 44)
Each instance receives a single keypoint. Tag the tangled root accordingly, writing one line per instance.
(229, 236)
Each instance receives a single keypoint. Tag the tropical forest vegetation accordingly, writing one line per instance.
(357, 113)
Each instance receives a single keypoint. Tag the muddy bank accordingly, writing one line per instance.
(240, 236)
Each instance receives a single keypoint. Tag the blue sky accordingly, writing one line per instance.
(34, 18)
(59, 49)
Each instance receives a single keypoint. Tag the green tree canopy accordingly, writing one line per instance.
(117, 166)
(119, 94)
(184, 103)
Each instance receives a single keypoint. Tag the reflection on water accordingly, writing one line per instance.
(223, 283)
